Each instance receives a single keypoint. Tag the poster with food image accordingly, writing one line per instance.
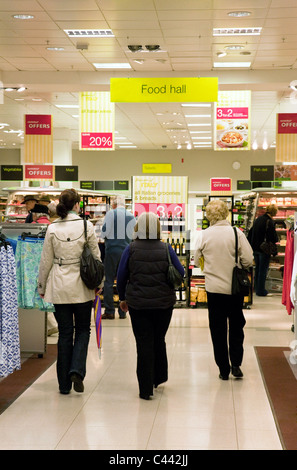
(232, 121)
(285, 173)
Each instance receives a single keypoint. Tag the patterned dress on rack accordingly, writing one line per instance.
(9, 323)
(27, 255)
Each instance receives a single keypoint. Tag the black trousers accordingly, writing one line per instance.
(226, 322)
(150, 328)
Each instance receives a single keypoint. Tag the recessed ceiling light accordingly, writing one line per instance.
(239, 14)
(237, 31)
(200, 125)
(236, 65)
(23, 17)
(234, 47)
(121, 65)
(89, 33)
(221, 54)
(55, 48)
(67, 105)
(197, 115)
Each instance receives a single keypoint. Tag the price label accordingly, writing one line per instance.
(97, 140)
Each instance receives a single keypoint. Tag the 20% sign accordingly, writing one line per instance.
(97, 140)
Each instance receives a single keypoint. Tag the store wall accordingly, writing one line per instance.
(198, 165)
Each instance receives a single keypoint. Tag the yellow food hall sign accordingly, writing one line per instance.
(161, 90)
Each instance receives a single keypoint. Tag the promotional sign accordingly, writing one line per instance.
(39, 172)
(96, 121)
(221, 186)
(285, 173)
(11, 172)
(163, 90)
(286, 137)
(232, 120)
(38, 139)
(163, 195)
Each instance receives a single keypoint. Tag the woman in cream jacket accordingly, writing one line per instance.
(217, 246)
(60, 283)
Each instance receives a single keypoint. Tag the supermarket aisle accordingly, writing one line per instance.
(193, 410)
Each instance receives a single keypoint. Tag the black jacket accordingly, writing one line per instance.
(262, 225)
(147, 287)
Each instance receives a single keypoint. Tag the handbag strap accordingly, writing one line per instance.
(236, 245)
(85, 229)
(168, 254)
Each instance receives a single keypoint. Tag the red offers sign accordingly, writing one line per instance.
(39, 172)
(221, 185)
(38, 124)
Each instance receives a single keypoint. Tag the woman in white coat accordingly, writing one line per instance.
(60, 283)
(226, 320)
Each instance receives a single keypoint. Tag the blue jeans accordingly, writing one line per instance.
(111, 264)
(74, 323)
(261, 269)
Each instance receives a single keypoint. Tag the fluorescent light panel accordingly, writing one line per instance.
(237, 31)
(89, 33)
(229, 65)
(121, 65)
(196, 105)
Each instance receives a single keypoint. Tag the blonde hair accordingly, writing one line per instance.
(216, 210)
(272, 210)
(147, 227)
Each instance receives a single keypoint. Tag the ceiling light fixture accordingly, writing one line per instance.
(197, 115)
(121, 65)
(221, 54)
(55, 48)
(89, 33)
(18, 89)
(153, 47)
(196, 105)
(236, 65)
(135, 48)
(23, 17)
(237, 31)
(234, 47)
(67, 106)
(239, 14)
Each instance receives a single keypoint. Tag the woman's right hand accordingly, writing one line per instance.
(124, 306)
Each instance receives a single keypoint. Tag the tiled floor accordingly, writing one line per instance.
(193, 410)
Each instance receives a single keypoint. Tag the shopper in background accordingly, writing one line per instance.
(226, 320)
(117, 231)
(60, 283)
(30, 202)
(40, 214)
(144, 291)
(262, 227)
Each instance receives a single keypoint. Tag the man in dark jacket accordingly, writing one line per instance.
(263, 228)
(30, 202)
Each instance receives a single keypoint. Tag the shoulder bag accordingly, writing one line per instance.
(91, 269)
(174, 278)
(241, 283)
(269, 248)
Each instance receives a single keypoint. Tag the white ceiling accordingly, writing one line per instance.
(184, 32)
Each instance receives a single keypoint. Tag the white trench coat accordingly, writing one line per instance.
(61, 283)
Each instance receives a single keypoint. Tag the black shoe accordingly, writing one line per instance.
(224, 377)
(77, 383)
(237, 372)
(64, 392)
(122, 316)
(144, 397)
(107, 316)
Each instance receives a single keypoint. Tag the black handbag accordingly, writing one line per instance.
(91, 269)
(174, 278)
(269, 248)
(241, 283)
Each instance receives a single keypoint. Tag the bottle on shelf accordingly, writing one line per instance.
(177, 247)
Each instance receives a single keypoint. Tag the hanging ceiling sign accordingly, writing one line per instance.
(38, 138)
(221, 186)
(232, 120)
(286, 137)
(96, 121)
(39, 172)
(159, 90)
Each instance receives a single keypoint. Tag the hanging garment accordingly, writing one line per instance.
(288, 268)
(28, 254)
(9, 322)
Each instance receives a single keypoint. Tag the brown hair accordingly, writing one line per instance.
(68, 198)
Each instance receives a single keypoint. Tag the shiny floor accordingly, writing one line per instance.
(193, 410)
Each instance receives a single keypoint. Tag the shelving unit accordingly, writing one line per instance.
(256, 203)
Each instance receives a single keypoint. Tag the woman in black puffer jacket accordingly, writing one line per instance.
(144, 291)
